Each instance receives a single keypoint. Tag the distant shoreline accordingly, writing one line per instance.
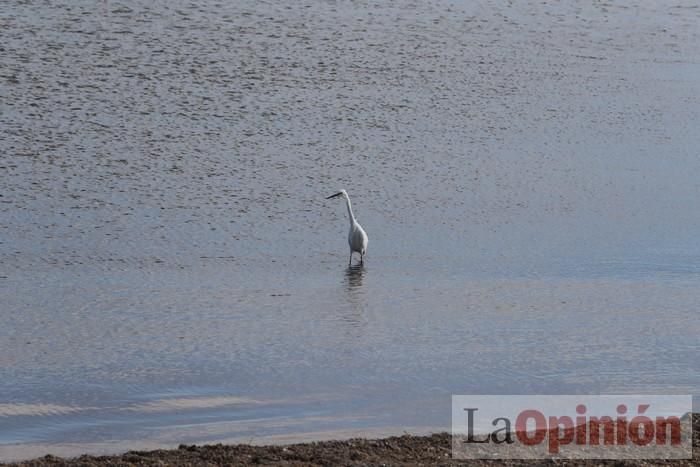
(397, 450)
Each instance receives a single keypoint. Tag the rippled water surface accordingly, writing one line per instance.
(171, 270)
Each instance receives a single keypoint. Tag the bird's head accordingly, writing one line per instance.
(341, 193)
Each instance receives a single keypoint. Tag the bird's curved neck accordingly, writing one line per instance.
(350, 214)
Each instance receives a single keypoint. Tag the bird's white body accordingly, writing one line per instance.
(357, 237)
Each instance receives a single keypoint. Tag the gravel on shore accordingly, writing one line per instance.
(398, 450)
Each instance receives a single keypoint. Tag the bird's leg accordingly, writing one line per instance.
(362, 259)
(350, 262)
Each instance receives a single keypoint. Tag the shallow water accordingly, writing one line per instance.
(171, 272)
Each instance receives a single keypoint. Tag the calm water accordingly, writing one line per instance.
(171, 272)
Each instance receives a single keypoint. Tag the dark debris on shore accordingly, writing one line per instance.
(430, 450)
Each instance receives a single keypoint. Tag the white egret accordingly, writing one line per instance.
(357, 238)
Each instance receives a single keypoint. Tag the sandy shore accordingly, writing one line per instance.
(398, 450)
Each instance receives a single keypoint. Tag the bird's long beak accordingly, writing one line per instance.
(333, 196)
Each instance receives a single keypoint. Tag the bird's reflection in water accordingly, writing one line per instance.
(354, 276)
